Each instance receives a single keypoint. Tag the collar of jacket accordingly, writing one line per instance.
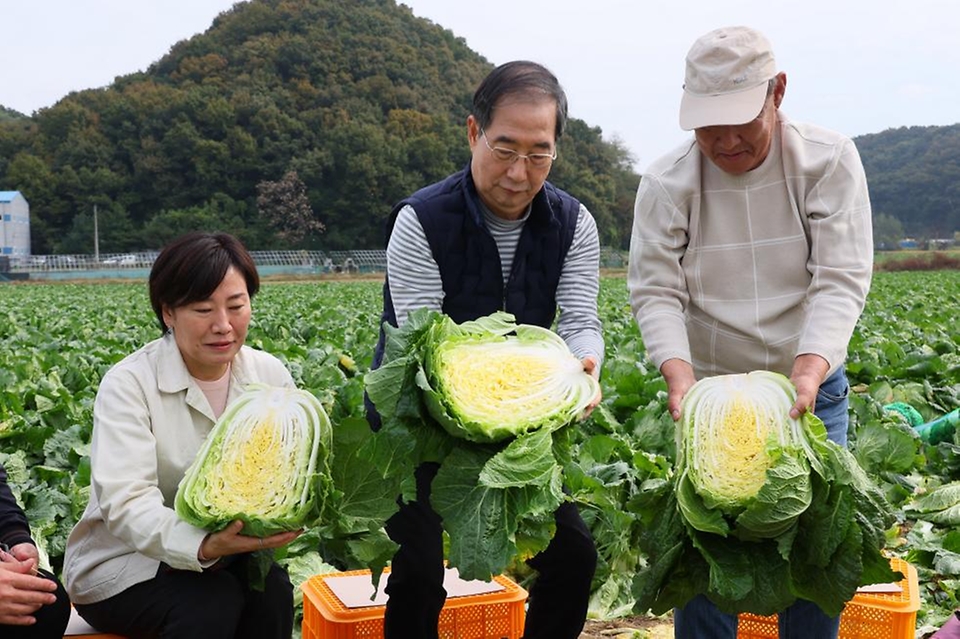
(173, 376)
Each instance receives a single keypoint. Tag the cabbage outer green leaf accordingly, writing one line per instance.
(939, 506)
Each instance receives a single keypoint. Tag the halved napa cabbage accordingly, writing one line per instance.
(736, 437)
(762, 509)
(490, 379)
(266, 462)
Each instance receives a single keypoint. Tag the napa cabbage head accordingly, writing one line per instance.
(490, 379)
(744, 463)
(266, 462)
(761, 510)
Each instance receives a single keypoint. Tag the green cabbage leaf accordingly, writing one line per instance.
(941, 505)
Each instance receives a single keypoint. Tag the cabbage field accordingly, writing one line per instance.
(57, 340)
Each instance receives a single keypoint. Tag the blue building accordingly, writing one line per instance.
(14, 224)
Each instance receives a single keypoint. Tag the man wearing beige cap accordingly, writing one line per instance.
(752, 249)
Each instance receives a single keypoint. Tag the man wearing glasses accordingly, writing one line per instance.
(497, 236)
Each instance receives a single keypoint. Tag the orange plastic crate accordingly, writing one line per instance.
(866, 616)
(495, 615)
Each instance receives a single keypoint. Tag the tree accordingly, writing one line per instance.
(887, 231)
(115, 231)
(167, 225)
(285, 206)
(364, 100)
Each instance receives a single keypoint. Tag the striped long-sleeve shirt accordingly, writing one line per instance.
(415, 277)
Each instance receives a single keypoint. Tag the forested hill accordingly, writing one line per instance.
(338, 109)
(9, 114)
(914, 176)
(357, 103)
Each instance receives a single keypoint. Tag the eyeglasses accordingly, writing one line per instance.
(539, 160)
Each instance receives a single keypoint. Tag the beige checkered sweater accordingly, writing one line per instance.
(741, 273)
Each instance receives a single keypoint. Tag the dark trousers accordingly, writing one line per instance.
(51, 620)
(558, 598)
(213, 604)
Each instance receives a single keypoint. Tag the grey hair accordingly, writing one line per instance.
(520, 78)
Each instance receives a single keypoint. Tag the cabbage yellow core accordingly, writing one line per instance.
(730, 421)
(268, 435)
(247, 477)
(731, 439)
(507, 382)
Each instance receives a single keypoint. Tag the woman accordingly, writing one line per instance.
(132, 566)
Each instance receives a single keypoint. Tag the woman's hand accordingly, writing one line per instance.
(22, 593)
(230, 541)
(25, 551)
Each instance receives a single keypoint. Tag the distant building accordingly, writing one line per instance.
(14, 224)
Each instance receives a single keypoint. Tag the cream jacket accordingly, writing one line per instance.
(742, 273)
(150, 419)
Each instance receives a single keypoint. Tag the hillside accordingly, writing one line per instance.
(364, 101)
(7, 115)
(914, 175)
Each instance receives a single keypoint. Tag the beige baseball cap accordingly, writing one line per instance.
(726, 78)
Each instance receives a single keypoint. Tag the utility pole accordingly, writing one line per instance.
(96, 237)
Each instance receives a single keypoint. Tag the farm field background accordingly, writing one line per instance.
(57, 340)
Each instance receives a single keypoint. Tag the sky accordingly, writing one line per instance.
(856, 66)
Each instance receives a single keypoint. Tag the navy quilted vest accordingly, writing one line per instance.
(452, 219)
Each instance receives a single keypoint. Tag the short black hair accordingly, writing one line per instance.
(191, 267)
(519, 78)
